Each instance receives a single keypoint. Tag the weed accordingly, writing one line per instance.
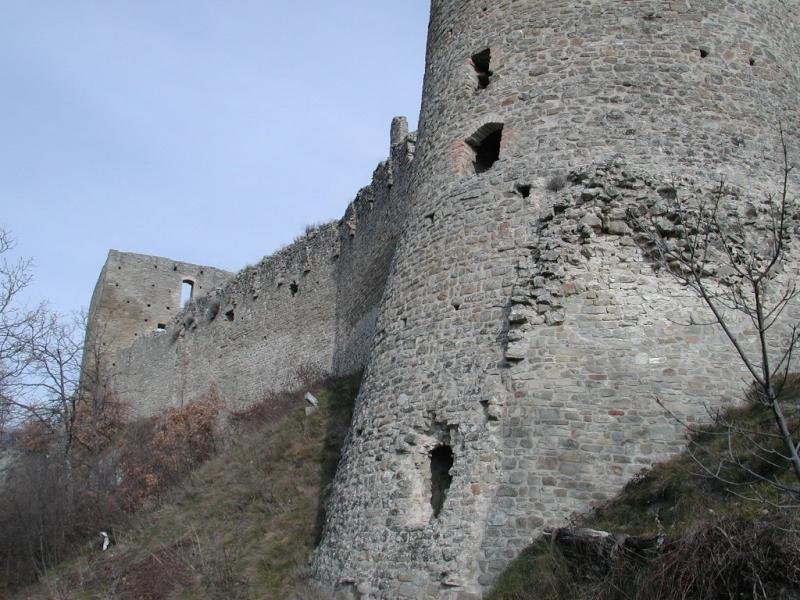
(556, 183)
(242, 524)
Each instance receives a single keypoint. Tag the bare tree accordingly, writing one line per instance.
(49, 388)
(40, 356)
(736, 264)
(16, 322)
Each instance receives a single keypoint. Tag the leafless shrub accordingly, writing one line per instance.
(219, 578)
(729, 557)
(269, 409)
(275, 405)
(310, 376)
(556, 183)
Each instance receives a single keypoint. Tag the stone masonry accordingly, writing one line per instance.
(312, 305)
(513, 327)
(525, 328)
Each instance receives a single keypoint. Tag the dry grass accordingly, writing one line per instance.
(241, 526)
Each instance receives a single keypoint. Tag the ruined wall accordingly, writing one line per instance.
(136, 293)
(525, 329)
(371, 226)
(246, 337)
(311, 305)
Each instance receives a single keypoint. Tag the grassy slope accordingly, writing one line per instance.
(674, 498)
(241, 526)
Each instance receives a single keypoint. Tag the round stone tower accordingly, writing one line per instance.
(523, 335)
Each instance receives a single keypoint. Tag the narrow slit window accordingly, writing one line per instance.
(187, 291)
(441, 464)
(485, 145)
(481, 62)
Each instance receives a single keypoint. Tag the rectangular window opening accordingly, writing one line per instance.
(441, 464)
(481, 62)
(485, 144)
(187, 291)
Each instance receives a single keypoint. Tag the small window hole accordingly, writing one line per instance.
(187, 291)
(703, 52)
(752, 61)
(229, 315)
(294, 288)
(481, 62)
(161, 327)
(441, 464)
(524, 190)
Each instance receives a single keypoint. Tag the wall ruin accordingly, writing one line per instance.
(312, 305)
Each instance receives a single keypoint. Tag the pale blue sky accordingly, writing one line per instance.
(209, 132)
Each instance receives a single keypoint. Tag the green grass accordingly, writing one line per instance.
(241, 526)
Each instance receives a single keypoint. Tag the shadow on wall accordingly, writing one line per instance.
(340, 416)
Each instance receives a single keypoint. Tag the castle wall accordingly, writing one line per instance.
(246, 338)
(372, 225)
(135, 293)
(311, 305)
(525, 329)
(510, 322)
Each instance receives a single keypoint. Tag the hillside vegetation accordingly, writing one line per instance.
(242, 525)
(678, 533)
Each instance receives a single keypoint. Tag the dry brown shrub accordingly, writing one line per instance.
(34, 437)
(727, 557)
(270, 409)
(276, 405)
(158, 452)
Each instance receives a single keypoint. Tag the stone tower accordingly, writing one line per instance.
(138, 295)
(523, 335)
